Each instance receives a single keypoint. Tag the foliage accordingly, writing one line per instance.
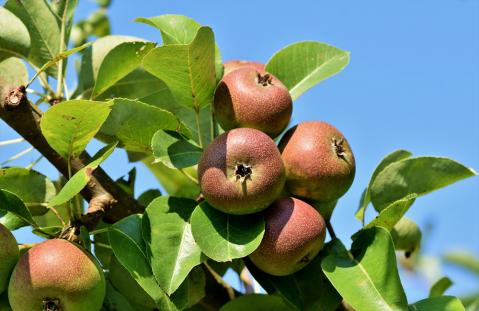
(154, 101)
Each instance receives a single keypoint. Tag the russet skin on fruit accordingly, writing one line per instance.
(8, 256)
(232, 65)
(241, 172)
(253, 98)
(318, 160)
(56, 275)
(294, 235)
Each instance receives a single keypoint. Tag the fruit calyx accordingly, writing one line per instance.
(339, 147)
(243, 172)
(265, 79)
(51, 304)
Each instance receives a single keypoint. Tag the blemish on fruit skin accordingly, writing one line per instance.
(51, 304)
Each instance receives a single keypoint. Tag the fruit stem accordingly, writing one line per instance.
(330, 229)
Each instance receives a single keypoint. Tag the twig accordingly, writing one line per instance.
(330, 229)
(57, 214)
(60, 50)
(107, 199)
(11, 141)
(18, 155)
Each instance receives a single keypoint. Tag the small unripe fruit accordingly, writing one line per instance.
(57, 275)
(241, 172)
(406, 236)
(318, 160)
(253, 98)
(8, 256)
(233, 65)
(294, 235)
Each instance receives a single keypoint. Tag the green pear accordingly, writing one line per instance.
(8, 256)
(57, 275)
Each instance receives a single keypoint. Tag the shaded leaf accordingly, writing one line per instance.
(82, 177)
(128, 247)
(14, 36)
(415, 175)
(366, 196)
(13, 204)
(175, 183)
(443, 303)
(69, 126)
(256, 302)
(302, 65)
(134, 123)
(307, 289)
(172, 250)
(224, 237)
(191, 291)
(33, 188)
(188, 70)
(368, 281)
(174, 150)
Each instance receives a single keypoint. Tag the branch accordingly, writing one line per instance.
(106, 199)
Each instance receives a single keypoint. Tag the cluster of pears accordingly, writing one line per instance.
(55, 275)
(243, 171)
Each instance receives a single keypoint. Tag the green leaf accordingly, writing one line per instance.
(118, 63)
(188, 70)
(134, 123)
(116, 301)
(33, 188)
(307, 289)
(13, 204)
(224, 237)
(11, 221)
(443, 303)
(366, 196)
(172, 249)
(43, 27)
(175, 29)
(92, 59)
(256, 302)
(415, 175)
(180, 29)
(463, 259)
(191, 291)
(48, 232)
(128, 247)
(69, 126)
(174, 151)
(82, 177)
(441, 285)
(390, 215)
(175, 183)
(13, 73)
(59, 57)
(301, 65)
(368, 281)
(14, 36)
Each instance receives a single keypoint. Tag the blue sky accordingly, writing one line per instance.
(412, 83)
